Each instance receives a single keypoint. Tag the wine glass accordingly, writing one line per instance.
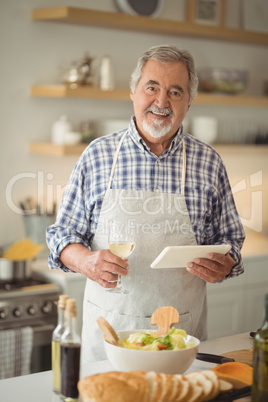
(122, 244)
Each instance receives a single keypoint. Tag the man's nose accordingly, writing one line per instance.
(162, 99)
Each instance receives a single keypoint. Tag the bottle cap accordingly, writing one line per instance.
(71, 308)
(62, 301)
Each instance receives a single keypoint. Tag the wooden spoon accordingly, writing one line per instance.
(109, 333)
(164, 317)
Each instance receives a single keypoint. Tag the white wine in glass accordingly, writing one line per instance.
(122, 249)
(121, 243)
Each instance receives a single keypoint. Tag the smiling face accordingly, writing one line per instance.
(161, 100)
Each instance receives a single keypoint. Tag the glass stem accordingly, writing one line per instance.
(119, 284)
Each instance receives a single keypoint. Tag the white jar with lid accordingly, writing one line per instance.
(59, 128)
(106, 74)
(205, 128)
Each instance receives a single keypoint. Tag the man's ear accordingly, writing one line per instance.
(131, 95)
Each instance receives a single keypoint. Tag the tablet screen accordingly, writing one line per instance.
(178, 256)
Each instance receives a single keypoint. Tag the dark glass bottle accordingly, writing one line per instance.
(260, 361)
(55, 344)
(70, 354)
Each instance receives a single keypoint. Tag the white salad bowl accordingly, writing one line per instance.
(162, 361)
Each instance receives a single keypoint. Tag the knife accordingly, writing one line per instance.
(233, 395)
(217, 359)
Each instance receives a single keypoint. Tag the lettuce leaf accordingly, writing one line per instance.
(139, 337)
(176, 339)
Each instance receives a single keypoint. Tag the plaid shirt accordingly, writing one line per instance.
(208, 194)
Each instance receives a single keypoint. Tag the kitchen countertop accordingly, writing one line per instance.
(38, 387)
(255, 244)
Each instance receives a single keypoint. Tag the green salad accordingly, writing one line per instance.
(176, 339)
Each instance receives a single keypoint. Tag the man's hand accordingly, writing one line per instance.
(213, 269)
(104, 267)
(100, 266)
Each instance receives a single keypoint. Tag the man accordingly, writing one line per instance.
(168, 188)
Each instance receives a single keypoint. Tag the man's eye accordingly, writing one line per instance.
(175, 94)
(151, 89)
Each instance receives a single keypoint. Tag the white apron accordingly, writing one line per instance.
(160, 220)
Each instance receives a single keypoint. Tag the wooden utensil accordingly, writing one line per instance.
(164, 317)
(109, 333)
(241, 356)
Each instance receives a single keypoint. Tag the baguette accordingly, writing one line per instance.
(142, 386)
(154, 382)
(113, 386)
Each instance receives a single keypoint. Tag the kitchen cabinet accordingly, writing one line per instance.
(237, 304)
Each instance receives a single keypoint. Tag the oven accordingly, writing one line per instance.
(31, 303)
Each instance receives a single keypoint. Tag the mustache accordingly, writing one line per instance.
(155, 109)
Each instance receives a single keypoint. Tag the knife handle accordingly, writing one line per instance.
(210, 358)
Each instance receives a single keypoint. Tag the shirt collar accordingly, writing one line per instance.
(133, 132)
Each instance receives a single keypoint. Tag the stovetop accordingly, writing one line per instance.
(27, 301)
(34, 287)
(6, 286)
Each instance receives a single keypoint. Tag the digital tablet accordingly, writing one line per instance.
(178, 256)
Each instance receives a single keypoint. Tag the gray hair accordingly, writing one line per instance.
(167, 54)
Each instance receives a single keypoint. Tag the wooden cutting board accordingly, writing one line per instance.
(241, 356)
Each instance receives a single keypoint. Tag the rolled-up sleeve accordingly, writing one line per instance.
(228, 228)
(72, 223)
(231, 227)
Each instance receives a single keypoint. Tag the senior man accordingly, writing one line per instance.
(168, 187)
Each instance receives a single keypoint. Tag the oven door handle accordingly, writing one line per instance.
(45, 327)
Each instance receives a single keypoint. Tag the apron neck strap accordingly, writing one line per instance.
(183, 173)
(115, 159)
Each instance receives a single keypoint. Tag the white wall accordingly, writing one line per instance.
(35, 52)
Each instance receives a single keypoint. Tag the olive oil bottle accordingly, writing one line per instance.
(70, 354)
(260, 361)
(55, 344)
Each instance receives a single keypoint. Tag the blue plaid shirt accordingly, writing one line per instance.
(208, 194)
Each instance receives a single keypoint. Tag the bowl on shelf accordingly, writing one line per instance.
(72, 138)
(164, 361)
(222, 80)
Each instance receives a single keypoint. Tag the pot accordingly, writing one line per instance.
(11, 270)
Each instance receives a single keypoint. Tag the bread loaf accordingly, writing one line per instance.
(142, 386)
(119, 387)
